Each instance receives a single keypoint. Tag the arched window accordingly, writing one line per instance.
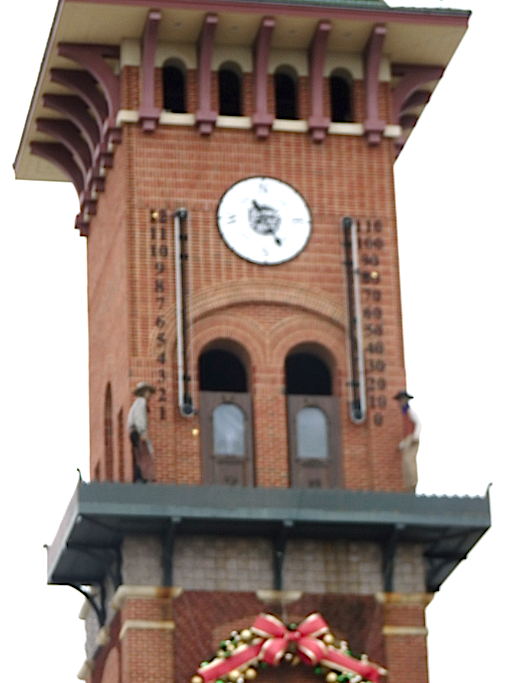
(313, 413)
(306, 373)
(340, 91)
(226, 416)
(174, 87)
(312, 433)
(228, 430)
(286, 93)
(108, 434)
(221, 371)
(229, 88)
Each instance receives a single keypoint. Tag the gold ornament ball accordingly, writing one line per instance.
(230, 647)
(246, 634)
(250, 674)
(234, 675)
(331, 677)
(196, 679)
(328, 639)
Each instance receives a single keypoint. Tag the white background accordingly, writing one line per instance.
(451, 193)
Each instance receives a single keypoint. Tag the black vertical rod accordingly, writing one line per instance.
(187, 408)
(356, 408)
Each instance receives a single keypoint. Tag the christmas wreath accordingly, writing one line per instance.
(269, 641)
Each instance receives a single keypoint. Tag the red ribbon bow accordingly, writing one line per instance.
(278, 636)
(274, 639)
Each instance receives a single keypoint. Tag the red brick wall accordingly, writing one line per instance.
(266, 310)
(149, 652)
(406, 653)
(108, 309)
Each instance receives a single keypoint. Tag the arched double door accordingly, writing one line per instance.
(227, 447)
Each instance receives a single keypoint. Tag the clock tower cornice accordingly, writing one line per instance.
(80, 78)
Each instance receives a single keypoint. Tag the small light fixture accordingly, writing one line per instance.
(374, 275)
(195, 431)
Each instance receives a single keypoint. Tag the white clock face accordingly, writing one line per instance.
(264, 220)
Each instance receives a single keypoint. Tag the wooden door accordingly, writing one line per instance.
(314, 441)
(226, 438)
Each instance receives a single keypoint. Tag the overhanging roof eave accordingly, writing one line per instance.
(100, 515)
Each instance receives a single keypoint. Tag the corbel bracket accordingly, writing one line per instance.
(84, 85)
(99, 609)
(412, 76)
(318, 123)
(168, 552)
(148, 112)
(279, 546)
(93, 59)
(69, 135)
(74, 109)
(205, 118)
(59, 155)
(388, 556)
(407, 94)
(261, 119)
(373, 126)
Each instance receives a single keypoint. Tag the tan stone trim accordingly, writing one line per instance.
(103, 636)
(403, 599)
(242, 122)
(356, 129)
(169, 118)
(290, 126)
(85, 608)
(236, 54)
(126, 116)
(183, 52)
(145, 625)
(278, 596)
(130, 52)
(127, 592)
(345, 62)
(404, 631)
(297, 60)
(85, 671)
(392, 131)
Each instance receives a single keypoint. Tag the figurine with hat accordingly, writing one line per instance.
(137, 425)
(409, 445)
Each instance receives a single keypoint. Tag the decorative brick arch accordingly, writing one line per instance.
(242, 332)
(292, 332)
(262, 292)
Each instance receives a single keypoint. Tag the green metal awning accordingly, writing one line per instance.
(100, 515)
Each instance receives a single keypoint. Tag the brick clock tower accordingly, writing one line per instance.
(234, 166)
